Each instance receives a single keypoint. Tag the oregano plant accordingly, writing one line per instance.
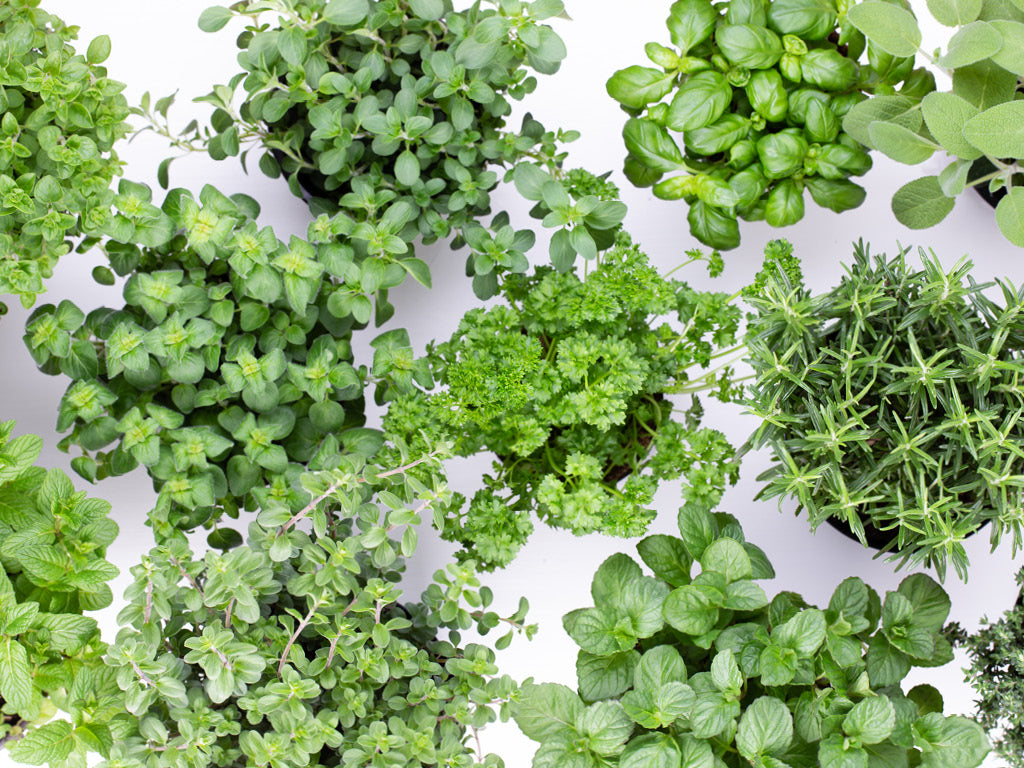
(61, 117)
(685, 668)
(56, 694)
(359, 102)
(298, 648)
(229, 367)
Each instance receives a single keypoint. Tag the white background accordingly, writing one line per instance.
(158, 47)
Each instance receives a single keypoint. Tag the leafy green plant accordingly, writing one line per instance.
(892, 404)
(229, 368)
(996, 673)
(757, 91)
(53, 542)
(977, 122)
(566, 383)
(61, 117)
(297, 650)
(363, 102)
(703, 670)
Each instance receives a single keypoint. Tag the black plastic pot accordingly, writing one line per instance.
(875, 538)
(982, 167)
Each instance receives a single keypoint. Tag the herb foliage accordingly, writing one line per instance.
(364, 102)
(996, 673)
(745, 111)
(297, 648)
(60, 117)
(566, 383)
(53, 542)
(703, 670)
(977, 121)
(229, 368)
(893, 402)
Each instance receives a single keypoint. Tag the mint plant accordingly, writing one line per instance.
(298, 649)
(704, 670)
(359, 103)
(744, 112)
(53, 542)
(976, 122)
(61, 117)
(996, 673)
(229, 367)
(566, 384)
(890, 404)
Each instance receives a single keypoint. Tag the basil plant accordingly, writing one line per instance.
(977, 122)
(744, 112)
(695, 667)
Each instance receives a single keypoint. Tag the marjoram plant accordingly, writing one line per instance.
(229, 368)
(892, 404)
(61, 117)
(745, 111)
(53, 543)
(296, 650)
(703, 671)
(359, 102)
(977, 122)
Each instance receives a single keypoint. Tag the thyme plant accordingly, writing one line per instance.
(58, 701)
(892, 404)
(297, 649)
(61, 117)
(996, 672)
(685, 669)
(229, 367)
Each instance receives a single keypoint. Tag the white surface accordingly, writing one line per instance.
(157, 47)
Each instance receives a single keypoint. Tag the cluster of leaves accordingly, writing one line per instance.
(61, 117)
(229, 369)
(996, 673)
(565, 383)
(892, 404)
(977, 123)
(758, 96)
(296, 650)
(359, 101)
(52, 546)
(703, 670)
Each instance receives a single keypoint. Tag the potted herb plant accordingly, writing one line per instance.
(703, 669)
(229, 367)
(996, 673)
(362, 102)
(890, 404)
(566, 383)
(296, 648)
(53, 570)
(61, 116)
(745, 111)
(975, 121)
